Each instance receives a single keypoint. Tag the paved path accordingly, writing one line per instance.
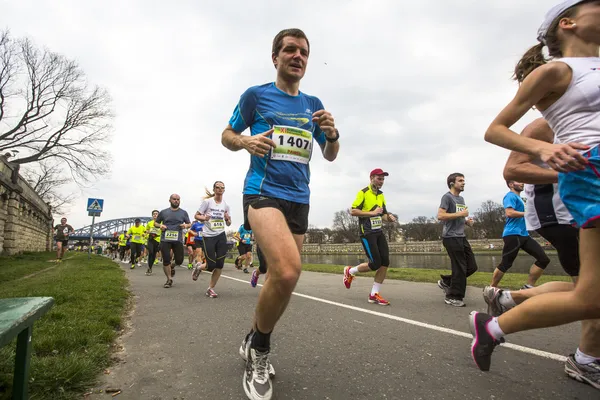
(330, 344)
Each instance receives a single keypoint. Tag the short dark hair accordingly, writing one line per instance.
(153, 211)
(452, 178)
(293, 32)
(508, 182)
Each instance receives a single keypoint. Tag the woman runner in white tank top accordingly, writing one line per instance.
(567, 92)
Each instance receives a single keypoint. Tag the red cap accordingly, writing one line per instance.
(378, 171)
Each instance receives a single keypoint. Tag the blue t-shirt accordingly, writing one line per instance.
(197, 227)
(514, 226)
(261, 107)
(245, 235)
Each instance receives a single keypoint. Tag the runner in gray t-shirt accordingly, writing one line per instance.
(171, 221)
(453, 204)
(452, 213)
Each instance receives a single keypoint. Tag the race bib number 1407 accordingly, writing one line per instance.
(293, 144)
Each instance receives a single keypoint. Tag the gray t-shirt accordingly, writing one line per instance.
(172, 219)
(453, 204)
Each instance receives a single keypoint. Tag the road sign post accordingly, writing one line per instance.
(94, 208)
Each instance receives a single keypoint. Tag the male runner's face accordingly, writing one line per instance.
(154, 215)
(63, 221)
(174, 201)
(459, 183)
(377, 181)
(292, 58)
(518, 186)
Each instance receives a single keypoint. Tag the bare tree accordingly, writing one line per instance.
(345, 227)
(489, 220)
(47, 180)
(422, 228)
(48, 111)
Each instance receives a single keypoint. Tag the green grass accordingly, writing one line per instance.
(479, 279)
(72, 343)
(21, 265)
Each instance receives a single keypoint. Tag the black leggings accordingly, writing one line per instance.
(512, 245)
(215, 250)
(122, 252)
(565, 239)
(165, 249)
(153, 247)
(136, 251)
(376, 247)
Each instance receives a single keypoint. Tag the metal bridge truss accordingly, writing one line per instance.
(104, 230)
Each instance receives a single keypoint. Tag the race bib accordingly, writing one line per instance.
(217, 224)
(171, 236)
(461, 207)
(137, 238)
(376, 222)
(293, 144)
(155, 231)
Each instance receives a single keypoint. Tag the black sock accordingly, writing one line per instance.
(261, 341)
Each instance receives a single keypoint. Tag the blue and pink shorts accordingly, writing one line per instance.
(580, 190)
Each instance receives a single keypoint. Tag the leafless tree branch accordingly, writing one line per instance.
(59, 116)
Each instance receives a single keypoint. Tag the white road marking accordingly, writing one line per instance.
(523, 349)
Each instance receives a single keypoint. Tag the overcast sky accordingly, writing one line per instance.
(412, 87)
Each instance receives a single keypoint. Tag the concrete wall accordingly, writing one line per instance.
(404, 247)
(25, 219)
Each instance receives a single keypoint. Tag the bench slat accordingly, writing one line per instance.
(18, 313)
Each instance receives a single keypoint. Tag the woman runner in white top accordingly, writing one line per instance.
(214, 212)
(567, 92)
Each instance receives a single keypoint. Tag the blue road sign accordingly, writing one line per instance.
(95, 205)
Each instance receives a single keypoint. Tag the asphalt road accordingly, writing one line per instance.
(330, 344)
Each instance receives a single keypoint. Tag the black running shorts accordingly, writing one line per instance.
(296, 214)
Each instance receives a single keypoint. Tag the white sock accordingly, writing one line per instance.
(494, 328)
(354, 270)
(506, 299)
(583, 358)
(376, 288)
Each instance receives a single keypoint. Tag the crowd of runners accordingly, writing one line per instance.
(554, 164)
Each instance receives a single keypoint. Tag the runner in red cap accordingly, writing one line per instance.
(369, 206)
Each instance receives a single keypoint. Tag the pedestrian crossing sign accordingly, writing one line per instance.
(95, 205)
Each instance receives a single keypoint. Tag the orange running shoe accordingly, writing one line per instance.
(348, 277)
(377, 299)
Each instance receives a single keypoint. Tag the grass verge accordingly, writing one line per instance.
(479, 279)
(72, 343)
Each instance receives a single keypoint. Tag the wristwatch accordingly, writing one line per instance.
(335, 139)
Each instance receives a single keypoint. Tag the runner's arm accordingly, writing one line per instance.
(358, 213)
(520, 167)
(330, 150)
(201, 217)
(446, 216)
(544, 80)
(512, 213)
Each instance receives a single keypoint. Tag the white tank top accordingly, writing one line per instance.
(575, 116)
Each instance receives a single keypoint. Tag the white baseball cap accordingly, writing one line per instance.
(552, 15)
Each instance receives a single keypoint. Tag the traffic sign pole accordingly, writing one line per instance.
(91, 237)
(94, 208)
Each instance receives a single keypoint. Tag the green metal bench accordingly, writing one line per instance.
(17, 316)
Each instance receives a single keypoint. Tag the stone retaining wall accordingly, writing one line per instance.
(25, 219)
